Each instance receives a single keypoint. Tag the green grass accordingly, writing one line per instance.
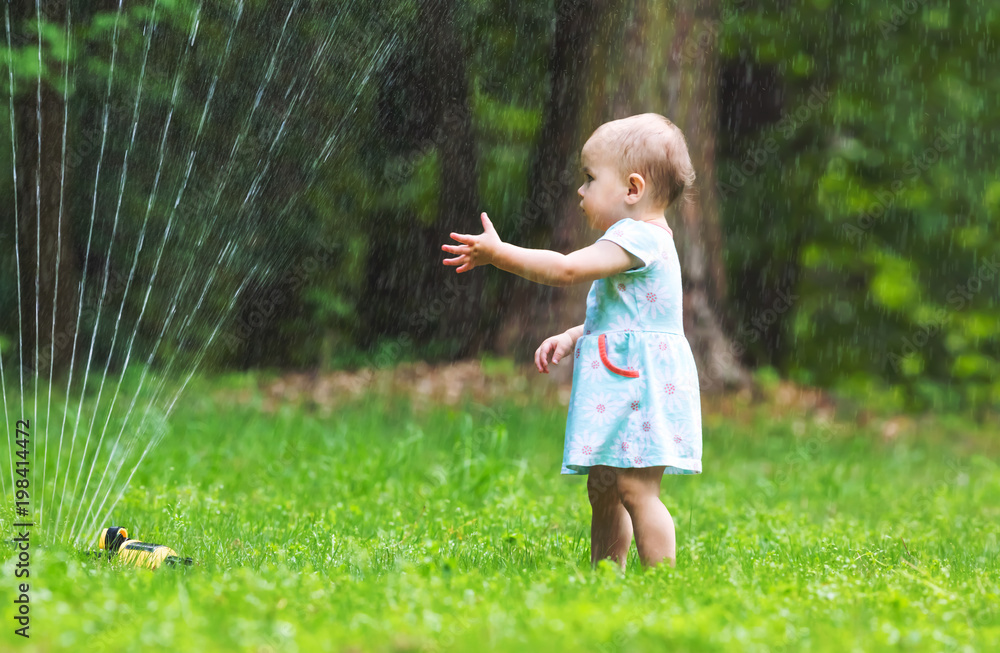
(391, 525)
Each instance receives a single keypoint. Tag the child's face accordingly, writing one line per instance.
(603, 190)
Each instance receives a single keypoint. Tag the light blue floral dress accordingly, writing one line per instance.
(635, 399)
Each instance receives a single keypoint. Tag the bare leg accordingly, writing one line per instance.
(639, 490)
(611, 525)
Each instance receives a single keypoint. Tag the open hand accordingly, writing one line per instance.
(556, 347)
(474, 250)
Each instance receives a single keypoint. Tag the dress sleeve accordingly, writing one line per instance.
(635, 239)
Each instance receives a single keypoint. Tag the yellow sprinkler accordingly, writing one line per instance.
(115, 540)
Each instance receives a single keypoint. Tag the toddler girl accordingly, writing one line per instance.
(635, 408)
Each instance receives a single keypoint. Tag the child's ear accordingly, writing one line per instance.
(636, 187)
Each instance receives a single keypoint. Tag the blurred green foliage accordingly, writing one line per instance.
(874, 208)
(286, 155)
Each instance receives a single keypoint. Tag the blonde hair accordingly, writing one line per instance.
(652, 146)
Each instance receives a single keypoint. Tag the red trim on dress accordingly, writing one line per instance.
(602, 347)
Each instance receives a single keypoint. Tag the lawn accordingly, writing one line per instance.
(362, 517)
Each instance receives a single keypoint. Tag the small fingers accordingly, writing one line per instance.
(546, 355)
(458, 260)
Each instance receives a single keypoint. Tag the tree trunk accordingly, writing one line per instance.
(663, 61)
(690, 92)
(49, 275)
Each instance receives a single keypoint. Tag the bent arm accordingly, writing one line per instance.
(575, 333)
(600, 260)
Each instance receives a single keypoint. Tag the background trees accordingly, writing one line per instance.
(302, 163)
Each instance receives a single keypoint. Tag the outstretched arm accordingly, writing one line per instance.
(602, 259)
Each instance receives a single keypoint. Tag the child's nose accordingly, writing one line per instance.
(579, 191)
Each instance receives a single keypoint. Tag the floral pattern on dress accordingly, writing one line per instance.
(645, 420)
(589, 444)
(623, 448)
(602, 408)
(673, 396)
(624, 323)
(592, 370)
(654, 299)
